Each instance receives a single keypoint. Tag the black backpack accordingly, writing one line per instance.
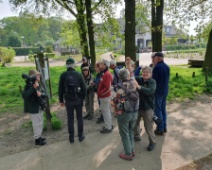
(132, 98)
(71, 88)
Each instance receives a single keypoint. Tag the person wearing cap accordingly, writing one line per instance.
(72, 105)
(146, 86)
(31, 106)
(161, 74)
(89, 99)
(85, 63)
(126, 120)
(104, 95)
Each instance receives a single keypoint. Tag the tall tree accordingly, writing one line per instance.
(157, 24)
(130, 49)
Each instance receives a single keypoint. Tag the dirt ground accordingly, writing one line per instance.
(16, 132)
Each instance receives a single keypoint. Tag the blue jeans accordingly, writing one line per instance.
(126, 123)
(160, 111)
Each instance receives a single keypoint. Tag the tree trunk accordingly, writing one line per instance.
(90, 31)
(157, 25)
(208, 54)
(82, 28)
(130, 49)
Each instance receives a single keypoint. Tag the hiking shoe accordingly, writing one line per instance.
(105, 130)
(123, 156)
(137, 138)
(43, 139)
(81, 138)
(157, 132)
(151, 146)
(71, 140)
(39, 142)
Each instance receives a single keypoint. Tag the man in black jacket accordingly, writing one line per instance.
(31, 106)
(72, 97)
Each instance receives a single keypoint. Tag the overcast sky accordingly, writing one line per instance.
(6, 11)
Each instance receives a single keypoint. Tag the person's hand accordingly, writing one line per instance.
(38, 93)
(136, 83)
(62, 104)
(36, 85)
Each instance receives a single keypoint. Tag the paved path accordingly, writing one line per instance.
(189, 137)
(144, 59)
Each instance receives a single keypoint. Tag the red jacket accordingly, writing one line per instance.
(104, 85)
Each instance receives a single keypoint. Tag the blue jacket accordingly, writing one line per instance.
(161, 74)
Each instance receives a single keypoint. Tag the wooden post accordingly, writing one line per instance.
(40, 67)
(206, 74)
(193, 75)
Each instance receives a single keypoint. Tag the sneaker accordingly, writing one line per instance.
(151, 146)
(100, 120)
(133, 153)
(90, 117)
(105, 130)
(81, 138)
(157, 132)
(123, 156)
(137, 138)
(86, 116)
(39, 142)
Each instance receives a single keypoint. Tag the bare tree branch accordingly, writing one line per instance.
(64, 4)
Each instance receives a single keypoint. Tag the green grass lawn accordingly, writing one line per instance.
(10, 79)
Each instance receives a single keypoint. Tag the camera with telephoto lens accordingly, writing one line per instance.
(156, 120)
(30, 81)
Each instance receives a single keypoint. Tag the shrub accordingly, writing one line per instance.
(26, 51)
(50, 55)
(6, 54)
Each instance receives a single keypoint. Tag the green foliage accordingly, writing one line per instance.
(6, 55)
(182, 47)
(14, 40)
(56, 122)
(26, 51)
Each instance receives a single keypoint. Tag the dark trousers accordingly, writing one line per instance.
(70, 106)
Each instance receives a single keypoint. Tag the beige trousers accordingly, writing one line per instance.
(37, 124)
(147, 116)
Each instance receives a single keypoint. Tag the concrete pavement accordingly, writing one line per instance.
(189, 137)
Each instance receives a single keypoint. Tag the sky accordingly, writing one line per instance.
(6, 11)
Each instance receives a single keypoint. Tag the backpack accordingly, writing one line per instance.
(131, 103)
(115, 74)
(71, 88)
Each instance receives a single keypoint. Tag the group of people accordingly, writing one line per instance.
(131, 95)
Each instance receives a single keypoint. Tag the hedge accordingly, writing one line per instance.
(26, 51)
(184, 47)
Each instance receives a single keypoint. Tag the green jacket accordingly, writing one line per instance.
(146, 93)
(31, 104)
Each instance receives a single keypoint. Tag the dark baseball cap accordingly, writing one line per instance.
(158, 54)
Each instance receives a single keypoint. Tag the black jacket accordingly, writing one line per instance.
(80, 81)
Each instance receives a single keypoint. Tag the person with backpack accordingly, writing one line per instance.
(72, 92)
(146, 86)
(89, 99)
(126, 107)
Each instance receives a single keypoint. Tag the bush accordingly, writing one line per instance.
(6, 54)
(50, 55)
(48, 49)
(180, 47)
(26, 51)
(56, 123)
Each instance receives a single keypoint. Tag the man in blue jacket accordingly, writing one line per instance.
(161, 74)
